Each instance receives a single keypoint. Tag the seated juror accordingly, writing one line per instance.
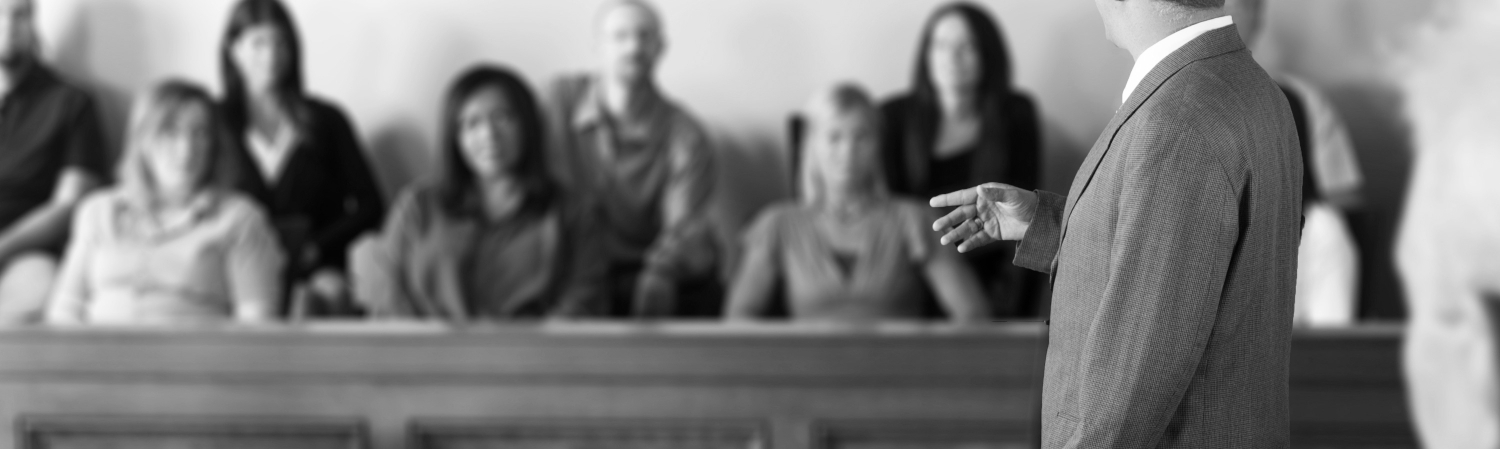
(490, 236)
(645, 164)
(167, 245)
(848, 250)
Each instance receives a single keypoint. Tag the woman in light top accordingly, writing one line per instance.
(848, 251)
(167, 245)
(490, 237)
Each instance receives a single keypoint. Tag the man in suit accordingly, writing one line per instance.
(1174, 256)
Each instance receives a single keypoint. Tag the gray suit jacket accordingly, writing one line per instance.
(1174, 263)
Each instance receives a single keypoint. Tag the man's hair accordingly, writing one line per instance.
(1197, 4)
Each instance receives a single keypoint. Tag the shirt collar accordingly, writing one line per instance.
(590, 109)
(200, 207)
(1159, 51)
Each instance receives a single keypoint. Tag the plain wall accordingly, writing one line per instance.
(742, 66)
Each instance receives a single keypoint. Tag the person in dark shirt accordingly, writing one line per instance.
(298, 155)
(963, 123)
(51, 154)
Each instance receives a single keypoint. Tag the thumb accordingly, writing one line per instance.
(1001, 193)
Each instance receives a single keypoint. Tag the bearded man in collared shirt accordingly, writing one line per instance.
(642, 160)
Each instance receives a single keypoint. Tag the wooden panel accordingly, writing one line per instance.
(73, 432)
(866, 387)
(1347, 390)
(917, 434)
(586, 434)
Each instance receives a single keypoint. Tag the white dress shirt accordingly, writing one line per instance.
(1165, 47)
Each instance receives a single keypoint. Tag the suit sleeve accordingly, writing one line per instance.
(1039, 248)
(1174, 238)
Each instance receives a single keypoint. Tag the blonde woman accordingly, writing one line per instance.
(848, 250)
(166, 245)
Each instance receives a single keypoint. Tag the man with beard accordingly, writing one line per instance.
(51, 154)
(643, 162)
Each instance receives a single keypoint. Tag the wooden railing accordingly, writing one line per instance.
(584, 385)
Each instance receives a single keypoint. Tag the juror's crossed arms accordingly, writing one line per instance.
(1173, 256)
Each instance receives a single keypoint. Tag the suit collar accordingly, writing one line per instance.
(1214, 43)
(1159, 51)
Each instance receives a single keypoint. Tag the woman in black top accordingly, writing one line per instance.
(299, 156)
(963, 124)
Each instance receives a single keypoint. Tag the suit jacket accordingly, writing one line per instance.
(1174, 263)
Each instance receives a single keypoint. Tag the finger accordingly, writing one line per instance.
(964, 231)
(959, 198)
(977, 240)
(955, 218)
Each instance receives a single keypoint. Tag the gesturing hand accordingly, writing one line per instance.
(985, 214)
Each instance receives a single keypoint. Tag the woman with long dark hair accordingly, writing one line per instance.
(300, 156)
(490, 236)
(961, 124)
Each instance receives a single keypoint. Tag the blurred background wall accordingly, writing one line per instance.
(743, 65)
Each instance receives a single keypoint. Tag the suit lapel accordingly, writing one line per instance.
(1211, 44)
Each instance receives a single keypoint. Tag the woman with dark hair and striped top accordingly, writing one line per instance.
(300, 156)
(489, 237)
(961, 124)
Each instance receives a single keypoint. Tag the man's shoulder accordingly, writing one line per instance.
(1220, 84)
(49, 84)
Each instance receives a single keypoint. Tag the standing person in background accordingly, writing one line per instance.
(963, 123)
(490, 237)
(1174, 255)
(302, 158)
(52, 153)
(644, 163)
(169, 245)
(1449, 235)
(1328, 258)
(848, 250)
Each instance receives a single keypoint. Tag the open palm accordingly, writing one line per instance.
(985, 214)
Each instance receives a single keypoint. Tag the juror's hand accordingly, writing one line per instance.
(985, 214)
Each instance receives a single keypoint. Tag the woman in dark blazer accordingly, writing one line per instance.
(961, 124)
(299, 156)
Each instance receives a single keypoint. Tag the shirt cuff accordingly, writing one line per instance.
(1037, 250)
